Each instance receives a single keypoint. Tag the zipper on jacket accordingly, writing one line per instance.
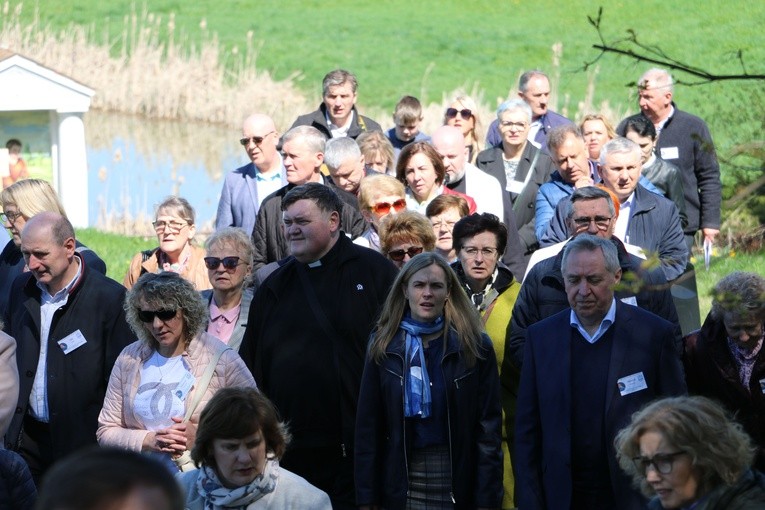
(449, 428)
(406, 460)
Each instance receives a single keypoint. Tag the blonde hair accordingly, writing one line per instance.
(718, 446)
(473, 138)
(31, 197)
(406, 226)
(377, 185)
(459, 313)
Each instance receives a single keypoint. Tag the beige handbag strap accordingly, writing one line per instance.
(203, 383)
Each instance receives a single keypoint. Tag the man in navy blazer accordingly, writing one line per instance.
(585, 371)
(246, 187)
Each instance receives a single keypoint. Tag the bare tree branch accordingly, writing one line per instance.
(631, 47)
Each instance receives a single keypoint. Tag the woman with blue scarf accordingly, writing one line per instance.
(428, 425)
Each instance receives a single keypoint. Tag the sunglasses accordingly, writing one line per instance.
(163, 315)
(229, 263)
(385, 207)
(398, 255)
(464, 113)
(257, 140)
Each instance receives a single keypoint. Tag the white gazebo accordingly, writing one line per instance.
(29, 86)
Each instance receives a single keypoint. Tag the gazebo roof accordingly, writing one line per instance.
(29, 85)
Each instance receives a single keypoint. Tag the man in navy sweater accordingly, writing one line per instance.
(585, 371)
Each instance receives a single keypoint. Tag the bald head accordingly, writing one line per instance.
(48, 245)
(259, 139)
(450, 144)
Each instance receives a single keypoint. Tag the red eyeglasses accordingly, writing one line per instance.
(384, 207)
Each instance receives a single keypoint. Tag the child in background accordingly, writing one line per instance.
(406, 117)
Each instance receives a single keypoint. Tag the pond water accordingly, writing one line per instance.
(134, 163)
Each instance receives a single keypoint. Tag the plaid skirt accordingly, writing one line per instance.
(430, 479)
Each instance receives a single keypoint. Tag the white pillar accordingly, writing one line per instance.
(73, 168)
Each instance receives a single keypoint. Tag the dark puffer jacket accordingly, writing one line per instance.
(17, 489)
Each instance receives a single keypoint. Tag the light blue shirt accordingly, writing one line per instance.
(604, 325)
(38, 397)
(267, 183)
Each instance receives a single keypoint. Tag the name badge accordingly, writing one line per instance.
(631, 384)
(762, 385)
(630, 300)
(184, 386)
(515, 187)
(669, 153)
(72, 342)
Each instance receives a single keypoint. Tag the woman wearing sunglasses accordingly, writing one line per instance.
(380, 196)
(174, 225)
(405, 235)
(689, 454)
(463, 113)
(161, 383)
(229, 266)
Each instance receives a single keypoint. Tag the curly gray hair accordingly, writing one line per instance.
(739, 293)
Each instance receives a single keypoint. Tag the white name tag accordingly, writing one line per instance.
(630, 300)
(669, 153)
(762, 385)
(184, 386)
(515, 187)
(72, 342)
(631, 384)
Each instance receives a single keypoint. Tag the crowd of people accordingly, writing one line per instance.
(396, 320)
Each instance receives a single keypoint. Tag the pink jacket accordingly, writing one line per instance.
(118, 425)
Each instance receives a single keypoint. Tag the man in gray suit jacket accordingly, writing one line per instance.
(246, 187)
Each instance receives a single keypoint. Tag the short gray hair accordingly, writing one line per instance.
(589, 193)
(338, 77)
(523, 82)
(340, 150)
(232, 236)
(587, 242)
(739, 293)
(309, 135)
(659, 79)
(558, 135)
(619, 145)
(515, 104)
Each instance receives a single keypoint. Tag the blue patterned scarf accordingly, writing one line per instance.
(417, 398)
(216, 496)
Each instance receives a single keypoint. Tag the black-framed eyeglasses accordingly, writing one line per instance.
(10, 216)
(257, 140)
(602, 222)
(465, 113)
(662, 462)
(398, 255)
(163, 315)
(173, 226)
(229, 263)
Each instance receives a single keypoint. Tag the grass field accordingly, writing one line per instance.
(429, 49)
